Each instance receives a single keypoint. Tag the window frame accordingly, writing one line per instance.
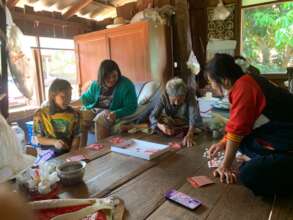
(260, 4)
(241, 7)
(40, 71)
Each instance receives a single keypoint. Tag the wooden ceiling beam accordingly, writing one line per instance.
(12, 3)
(77, 7)
(43, 19)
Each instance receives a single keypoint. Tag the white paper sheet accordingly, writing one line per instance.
(142, 149)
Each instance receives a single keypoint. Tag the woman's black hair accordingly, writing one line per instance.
(107, 67)
(223, 66)
(57, 86)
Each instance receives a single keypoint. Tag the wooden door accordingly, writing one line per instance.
(129, 48)
(91, 50)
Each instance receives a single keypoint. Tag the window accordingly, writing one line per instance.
(59, 64)
(267, 31)
(58, 61)
(16, 98)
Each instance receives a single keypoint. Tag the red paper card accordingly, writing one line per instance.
(96, 147)
(175, 145)
(76, 158)
(199, 181)
(116, 140)
(194, 184)
(121, 142)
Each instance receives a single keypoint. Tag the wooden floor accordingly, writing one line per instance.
(141, 185)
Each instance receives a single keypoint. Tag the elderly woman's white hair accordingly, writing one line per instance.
(176, 87)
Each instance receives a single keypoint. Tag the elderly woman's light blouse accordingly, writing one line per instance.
(189, 111)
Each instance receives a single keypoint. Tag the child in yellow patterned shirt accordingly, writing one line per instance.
(57, 125)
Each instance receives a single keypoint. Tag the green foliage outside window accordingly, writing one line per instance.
(267, 36)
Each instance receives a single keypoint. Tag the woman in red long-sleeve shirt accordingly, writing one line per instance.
(260, 126)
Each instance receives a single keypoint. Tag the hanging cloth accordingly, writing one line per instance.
(221, 12)
(20, 58)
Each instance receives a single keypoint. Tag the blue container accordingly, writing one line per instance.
(30, 133)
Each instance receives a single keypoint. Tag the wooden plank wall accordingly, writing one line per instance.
(182, 38)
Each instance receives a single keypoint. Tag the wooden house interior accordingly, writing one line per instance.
(161, 109)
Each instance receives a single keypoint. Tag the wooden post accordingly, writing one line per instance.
(237, 26)
(3, 69)
(182, 39)
(199, 30)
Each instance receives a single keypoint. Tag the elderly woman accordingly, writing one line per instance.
(108, 99)
(177, 111)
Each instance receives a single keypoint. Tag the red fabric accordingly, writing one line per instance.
(47, 214)
(51, 195)
(247, 103)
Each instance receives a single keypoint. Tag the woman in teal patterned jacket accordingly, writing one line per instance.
(107, 100)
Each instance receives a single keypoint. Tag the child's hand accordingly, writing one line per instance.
(59, 144)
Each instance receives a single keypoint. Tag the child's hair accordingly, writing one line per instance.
(57, 86)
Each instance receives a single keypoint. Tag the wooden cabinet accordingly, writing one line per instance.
(91, 50)
(129, 48)
(142, 51)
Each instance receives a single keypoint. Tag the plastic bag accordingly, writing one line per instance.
(221, 12)
(193, 64)
(149, 14)
(12, 158)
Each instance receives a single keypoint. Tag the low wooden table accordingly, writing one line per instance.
(141, 184)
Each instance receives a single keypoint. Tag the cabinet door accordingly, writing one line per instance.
(91, 50)
(129, 48)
